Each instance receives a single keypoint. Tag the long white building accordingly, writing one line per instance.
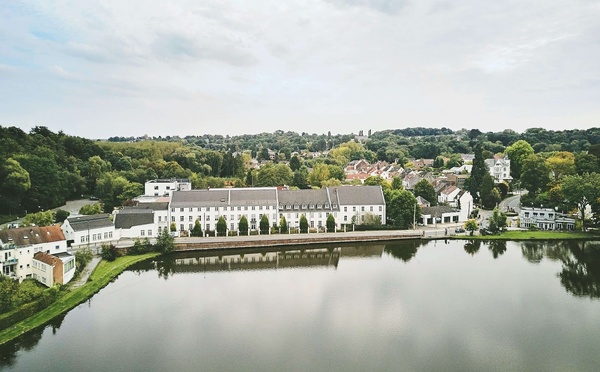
(344, 202)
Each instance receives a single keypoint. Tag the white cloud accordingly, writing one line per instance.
(125, 68)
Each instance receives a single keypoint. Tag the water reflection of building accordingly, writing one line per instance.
(266, 260)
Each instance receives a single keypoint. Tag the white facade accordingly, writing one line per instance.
(162, 187)
(545, 219)
(89, 231)
(53, 269)
(19, 245)
(139, 231)
(499, 169)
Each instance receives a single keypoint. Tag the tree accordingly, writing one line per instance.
(243, 225)
(471, 225)
(283, 226)
(517, 153)
(165, 243)
(425, 190)
(586, 163)
(61, 215)
(319, 174)
(197, 229)
(371, 219)
(489, 194)
(90, 209)
(477, 172)
(581, 191)
(397, 183)
(438, 162)
(221, 226)
(273, 175)
(8, 290)
(377, 181)
(303, 224)
(497, 221)
(15, 182)
(330, 223)
(561, 164)
(264, 224)
(172, 227)
(300, 178)
(109, 252)
(295, 163)
(402, 208)
(535, 176)
(39, 219)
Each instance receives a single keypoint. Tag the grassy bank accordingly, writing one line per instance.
(534, 235)
(102, 275)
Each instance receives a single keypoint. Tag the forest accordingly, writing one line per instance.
(42, 169)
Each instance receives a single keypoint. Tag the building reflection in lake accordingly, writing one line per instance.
(258, 259)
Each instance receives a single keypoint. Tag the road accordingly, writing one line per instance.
(512, 203)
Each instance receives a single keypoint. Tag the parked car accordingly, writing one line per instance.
(459, 230)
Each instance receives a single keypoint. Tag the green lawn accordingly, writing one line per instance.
(104, 273)
(535, 235)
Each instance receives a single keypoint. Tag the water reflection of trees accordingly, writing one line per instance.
(497, 247)
(405, 250)
(580, 273)
(472, 246)
(10, 350)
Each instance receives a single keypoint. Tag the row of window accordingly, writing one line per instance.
(229, 208)
(95, 237)
(143, 232)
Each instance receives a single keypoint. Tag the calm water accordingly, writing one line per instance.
(396, 307)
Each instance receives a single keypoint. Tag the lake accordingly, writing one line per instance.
(406, 306)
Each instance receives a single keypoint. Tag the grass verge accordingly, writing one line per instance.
(102, 275)
(534, 235)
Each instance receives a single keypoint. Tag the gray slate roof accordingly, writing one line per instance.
(128, 220)
(355, 195)
(224, 197)
(154, 206)
(438, 210)
(304, 198)
(95, 221)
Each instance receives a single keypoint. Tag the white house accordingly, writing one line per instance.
(18, 247)
(162, 187)
(51, 269)
(499, 169)
(136, 223)
(89, 231)
(545, 219)
(439, 214)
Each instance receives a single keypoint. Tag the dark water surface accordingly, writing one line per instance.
(410, 306)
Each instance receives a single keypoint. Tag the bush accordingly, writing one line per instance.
(140, 246)
(109, 252)
(82, 258)
(165, 242)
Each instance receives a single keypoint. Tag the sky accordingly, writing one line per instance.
(107, 68)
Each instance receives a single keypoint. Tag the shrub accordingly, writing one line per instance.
(109, 252)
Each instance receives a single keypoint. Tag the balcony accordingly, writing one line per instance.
(11, 261)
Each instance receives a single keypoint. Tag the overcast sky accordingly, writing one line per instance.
(120, 68)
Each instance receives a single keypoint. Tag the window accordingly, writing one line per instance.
(159, 218)
(110, 234)
(172, 218)
(190, 218)
(83, 239)
(181, 228)
(180, 209)
(353, 209)
(149, 232)
(181, 218)
(371, 208)
(142, 233)
(155, 187)
(380, 208)
(345, 209)
(191, 209)
(362, 209)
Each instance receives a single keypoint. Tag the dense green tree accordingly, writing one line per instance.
(14, 185)
(221, 226)
(90, 209)
(47, 189)
(425, 190)
(535, 176)
(109, 252)
(586, 163)
(377, 181)
(330, 223)
(517, 153)
(478, 171)
(274, 175)
(8, 290)
(197, 229)
(165, 243)
(489, 194)
(497, 221)
(243, 225)
(283, 225)
(402, 208)
(319, 174)
(295, 163)
(397, 183)
(471, 226)
(300, 178)
(438, 162)
(264, 224)
(561, 164)
(61, 215)
(303, 224)
(581, 191)
(45, 218)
